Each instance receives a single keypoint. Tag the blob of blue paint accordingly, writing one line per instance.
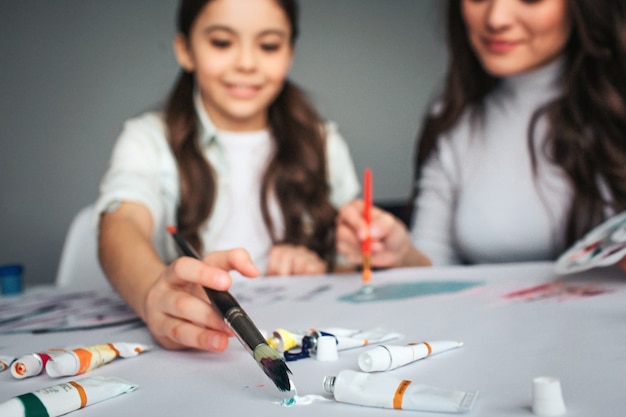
(289, 402)
(400, 291)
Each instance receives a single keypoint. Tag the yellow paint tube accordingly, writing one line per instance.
(64, 398)
(80, 360)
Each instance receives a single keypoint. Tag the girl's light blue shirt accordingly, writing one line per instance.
(143, 170)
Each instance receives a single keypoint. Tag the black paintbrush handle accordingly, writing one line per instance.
(236, 317)
(184, 247)
(227, 305)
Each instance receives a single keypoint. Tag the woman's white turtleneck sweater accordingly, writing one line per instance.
(479, 201)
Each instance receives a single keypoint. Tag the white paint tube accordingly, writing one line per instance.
(352, 339)
(5, 362)
(379, 390)
(33, 364)
(80, 360)
(64, 398)
(387, 357)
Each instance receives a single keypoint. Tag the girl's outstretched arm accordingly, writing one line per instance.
(168, 298)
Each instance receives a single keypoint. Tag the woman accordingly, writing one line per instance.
(526, 149)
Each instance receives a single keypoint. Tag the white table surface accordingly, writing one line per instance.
(580, 339)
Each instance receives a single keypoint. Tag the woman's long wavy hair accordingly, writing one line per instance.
(297, 173)
(587, 123)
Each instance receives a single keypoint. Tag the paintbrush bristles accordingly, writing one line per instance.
(273, 365)
(367, 269)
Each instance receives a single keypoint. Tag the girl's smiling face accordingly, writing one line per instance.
(515, 36)
(240, 52)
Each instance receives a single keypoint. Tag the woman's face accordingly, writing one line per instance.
(514, 36)
(240, 52)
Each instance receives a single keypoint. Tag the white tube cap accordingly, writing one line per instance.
(547, 397)
(377, 359)
(26, 366)
(327, 349)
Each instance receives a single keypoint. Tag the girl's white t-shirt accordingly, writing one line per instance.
(247, 155)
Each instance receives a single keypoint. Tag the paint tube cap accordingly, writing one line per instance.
(327, 349)
(27, 366)
(11, 279)
(377, 359)
(547, 397)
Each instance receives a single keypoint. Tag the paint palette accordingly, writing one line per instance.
(602, 246)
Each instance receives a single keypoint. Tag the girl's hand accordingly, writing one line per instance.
(294, 260)
(391, 242)
(176, 308)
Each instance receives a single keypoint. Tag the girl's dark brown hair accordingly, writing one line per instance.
(297, 173)
(587, 133)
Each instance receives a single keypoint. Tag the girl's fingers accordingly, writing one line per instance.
(176, 334)
(235, 259)
(280, 263)
(184, 271)
(187, 307)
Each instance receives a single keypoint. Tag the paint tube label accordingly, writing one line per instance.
(376, 390)
(84, 359)
(80, 360)
(61, 399)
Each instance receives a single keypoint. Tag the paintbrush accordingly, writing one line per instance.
(366, 244)
(270, 361)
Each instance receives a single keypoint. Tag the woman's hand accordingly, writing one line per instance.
(294, 260)
(176, 308)
(391, 242)
(622, 264)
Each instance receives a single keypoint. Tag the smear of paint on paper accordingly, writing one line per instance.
(559, 290)
(302, 400)
(400, 291)
(314, 292)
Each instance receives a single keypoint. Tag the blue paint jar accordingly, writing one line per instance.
(11, 279)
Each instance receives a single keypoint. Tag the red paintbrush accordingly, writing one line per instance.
(366, 244)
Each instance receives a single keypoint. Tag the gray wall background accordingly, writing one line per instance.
(73, 70)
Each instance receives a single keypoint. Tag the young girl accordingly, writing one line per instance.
(238, 159)
(525, 151)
